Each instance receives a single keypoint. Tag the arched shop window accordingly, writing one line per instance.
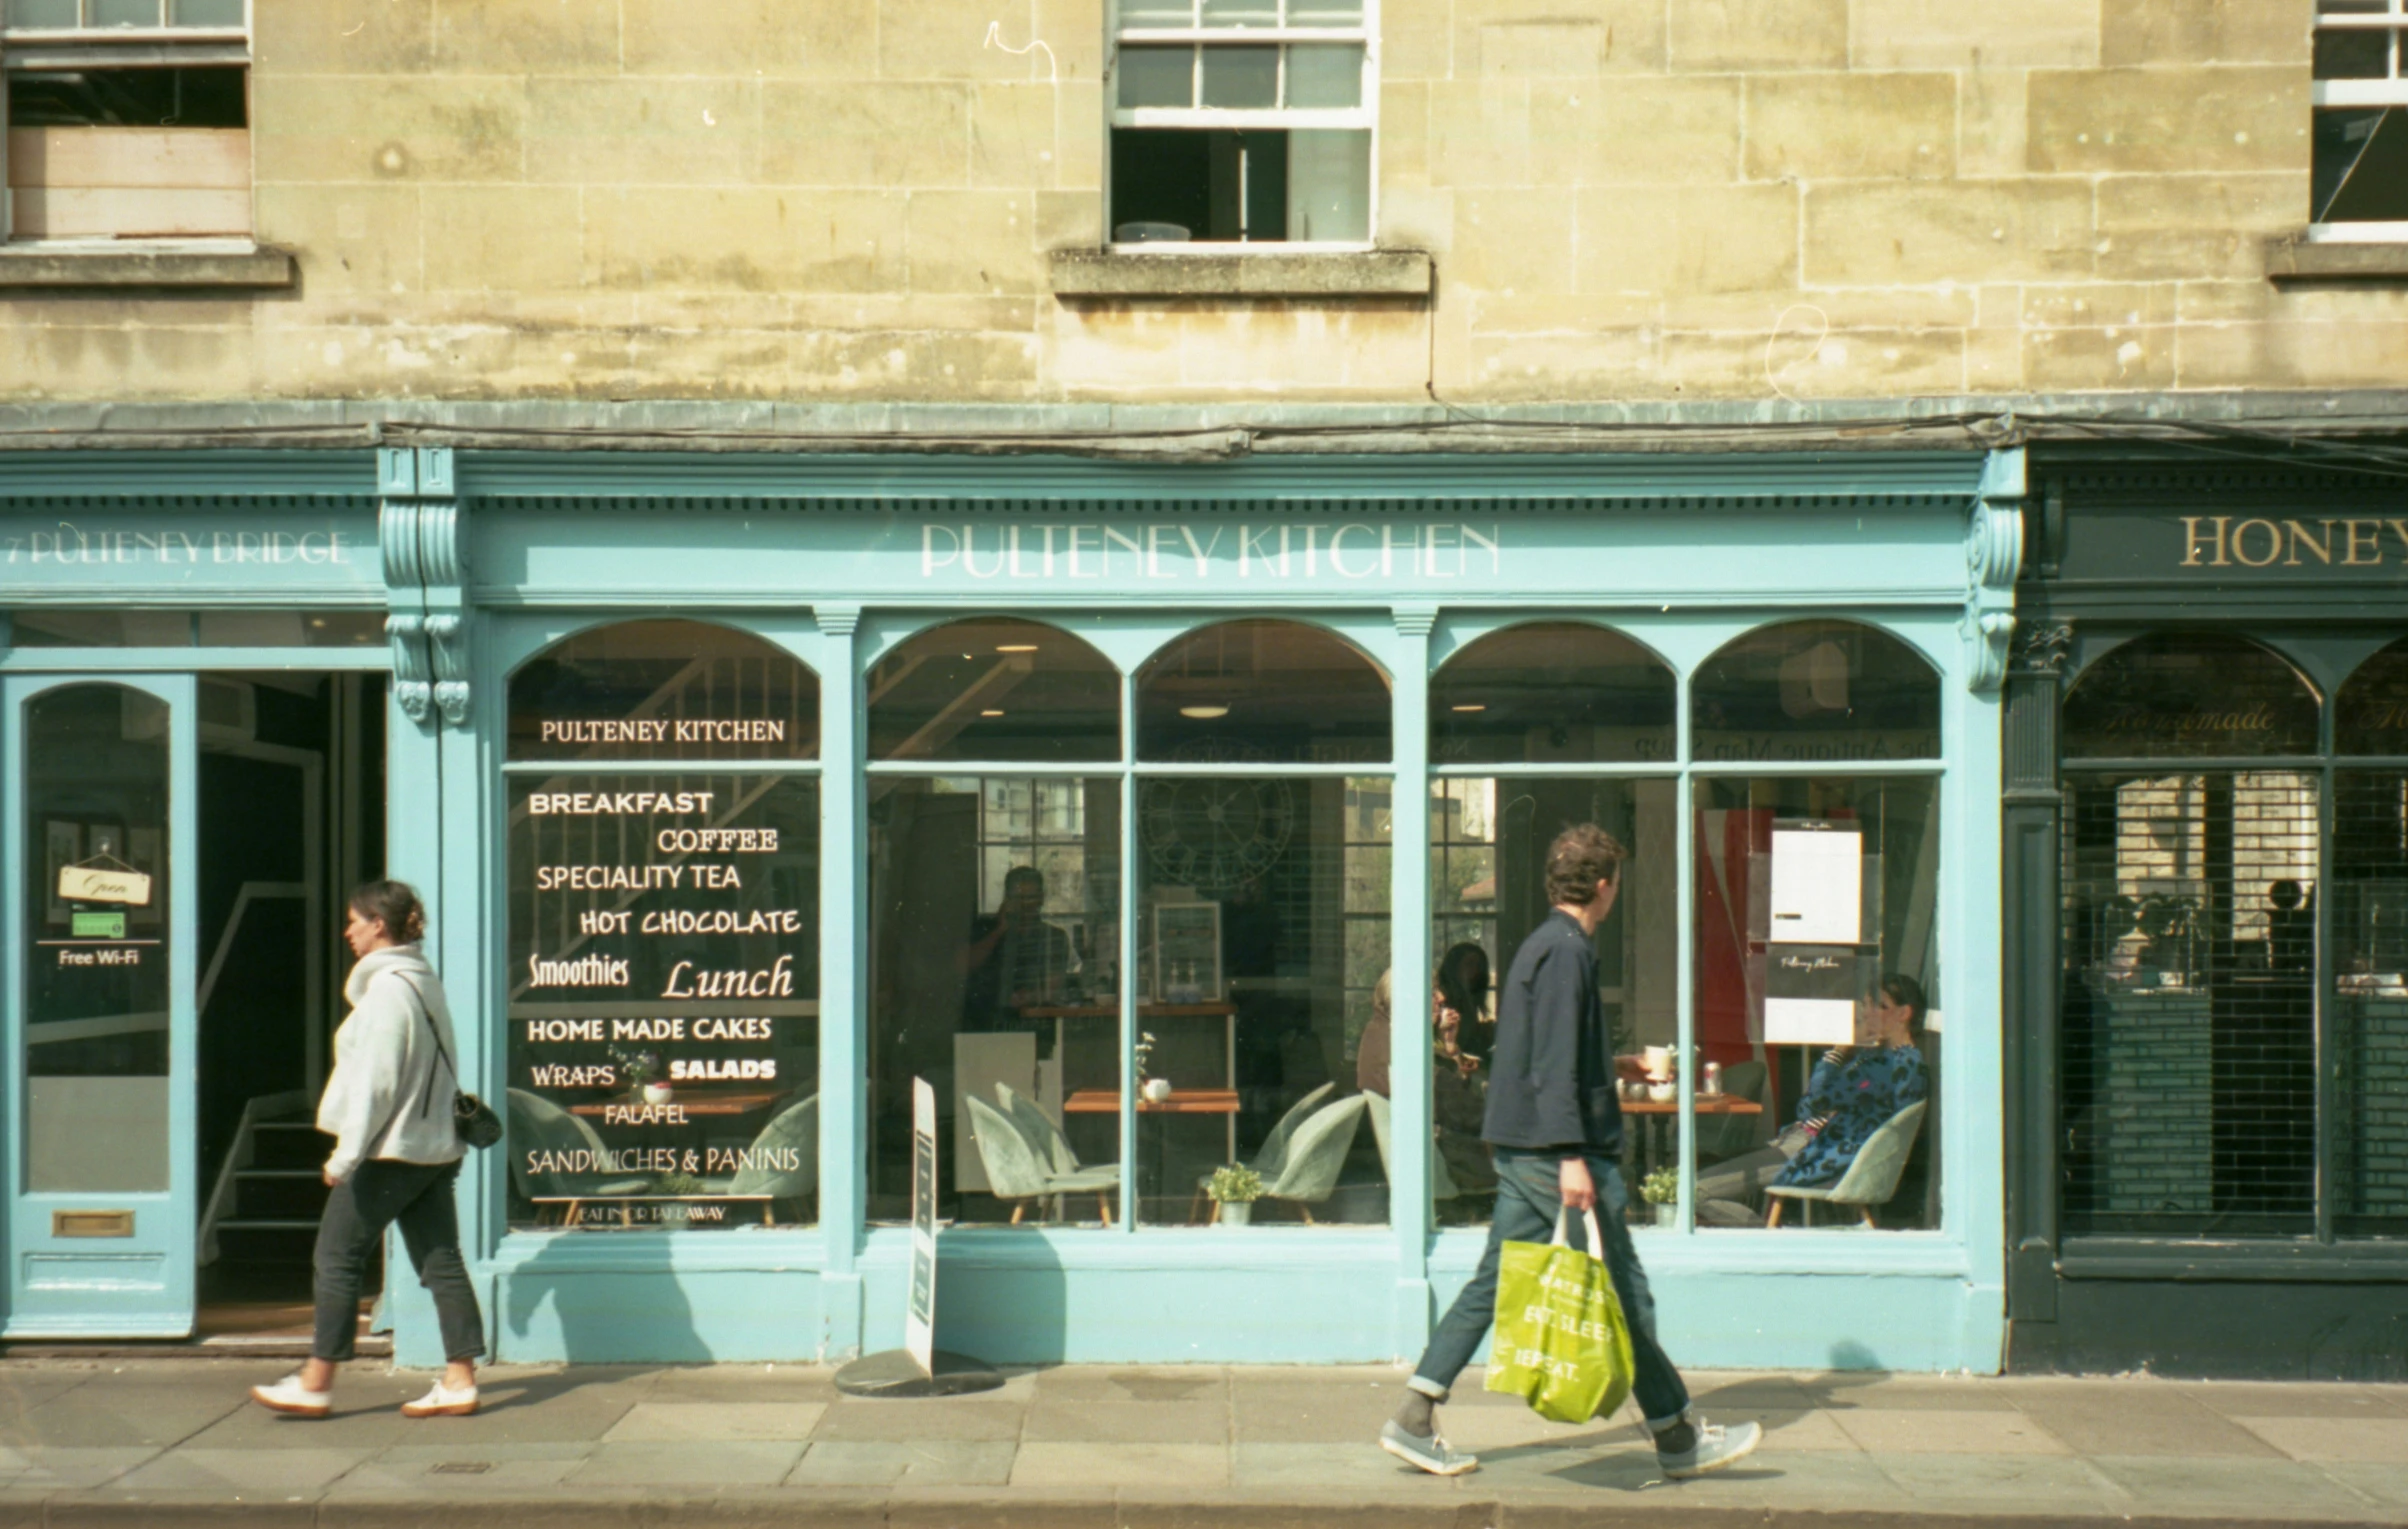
(1816, 910)
(1579, 699)
(1815, 690)
(1264, 692)
(663, 976)
(2182, 695)
(1263, 859)
(995, 689)
(994, 927)
(2367, 970)
(1553, 692)
(2191, 889)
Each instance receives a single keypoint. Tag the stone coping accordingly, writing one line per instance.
(1130, 274)
(36, 266)
(2293, 259)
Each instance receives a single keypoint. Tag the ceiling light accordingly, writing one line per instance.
(1015, 647)
(1475, 707)
(990, 714)
(1204, 713)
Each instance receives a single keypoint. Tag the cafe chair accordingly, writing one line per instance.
(1015, 1172)
(539, 1125)
(1315, 1154)
(796, 1128)
(1872, 1175)
(1722, 1137)
(1053, 1151)
(1442, 1183)
(1273, 1156)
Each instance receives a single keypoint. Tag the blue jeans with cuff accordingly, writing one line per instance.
(1529, 1194)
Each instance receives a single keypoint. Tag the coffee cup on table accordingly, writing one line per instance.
(1656, 1061)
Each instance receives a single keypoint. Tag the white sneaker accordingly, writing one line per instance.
(288, 1396)
(442, 1402)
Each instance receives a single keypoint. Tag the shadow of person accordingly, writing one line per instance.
(603, 1298)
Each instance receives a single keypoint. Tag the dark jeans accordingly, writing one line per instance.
(419, 1197)
(1528, 1197)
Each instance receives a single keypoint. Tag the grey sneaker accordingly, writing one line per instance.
(1431, 1454)
(1715, 1448)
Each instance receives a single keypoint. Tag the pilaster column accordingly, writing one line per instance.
(843, 1033)
(1410, 1139)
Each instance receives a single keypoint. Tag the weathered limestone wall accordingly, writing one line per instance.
(1626, 199)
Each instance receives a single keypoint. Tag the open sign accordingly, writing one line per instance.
(104, 884)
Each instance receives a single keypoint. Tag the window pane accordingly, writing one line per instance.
(2370, 713)
(1325, 75)
(207, 13)
(96, 926)
(2189, 695)
(1488, 845)
(1325, 13)
(1553, 692)
(292, 629)
(41, 13)
(1264, 902)
(124, 13)
(1241, 13)
(1816, 947)
(1157, 76)
(1262, 692)
(2356, 54)
(664, 1001)
(2360, 168)
(1816, 690)
(995, 974)
(664, 690)
(1241, 77)
(2370, 1003)
(1329, 185)
(995, 690)
(101, 629)
(2188, 1039)
(203, 97)
(1157, 13)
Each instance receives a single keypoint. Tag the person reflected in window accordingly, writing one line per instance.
(1851, 1093)
(1462, 981)
(1465, 1034)
(1015, 961)
(2290, 930)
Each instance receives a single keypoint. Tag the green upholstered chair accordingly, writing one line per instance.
(1872, 1175)
(796, 1128)
(1315, 1154)
(1721, 1137)
(1273, 1154)
(1442, 1183)
(1069, 1175)
(539, 1125)
(1016, 1169)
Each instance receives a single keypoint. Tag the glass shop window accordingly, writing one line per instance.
(1816, 934)
(1262, 692)
(994, 923)
(2191, 891)
(127, 119)
(1814, 690)
(995, 689)
(1243, 121)
(2369, 964)
(1553, 692)
(2359, 179)
(663, 967)
(38, 628)
(1263, 935)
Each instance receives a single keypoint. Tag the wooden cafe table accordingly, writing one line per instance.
(1183, 1101)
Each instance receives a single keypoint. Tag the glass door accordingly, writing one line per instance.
(99, 1015)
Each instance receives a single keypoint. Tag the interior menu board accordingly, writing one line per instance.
(663, 999)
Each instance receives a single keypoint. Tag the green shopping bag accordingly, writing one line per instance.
(1562, 1344)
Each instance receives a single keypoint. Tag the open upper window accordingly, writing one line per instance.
(1243, 121)
(127, 119)
(2360, 190)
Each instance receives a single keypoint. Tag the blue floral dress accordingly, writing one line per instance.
(1850, 1096)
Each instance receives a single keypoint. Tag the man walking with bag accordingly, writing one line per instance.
(1555, 1121)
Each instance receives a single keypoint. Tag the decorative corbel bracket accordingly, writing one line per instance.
(838, 618)
(419, 532)
(1993, 558)
(1417, 619)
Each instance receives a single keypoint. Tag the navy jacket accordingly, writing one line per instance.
(1551, 1082)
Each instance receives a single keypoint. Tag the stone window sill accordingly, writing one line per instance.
(1323, 274)
(34, 266)
(2293, 259)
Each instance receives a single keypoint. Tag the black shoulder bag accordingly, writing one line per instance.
(472, 1117)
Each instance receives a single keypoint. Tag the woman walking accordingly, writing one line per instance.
(388, 1107)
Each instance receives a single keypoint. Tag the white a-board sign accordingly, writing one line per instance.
(919, 1315)
(1818, 887)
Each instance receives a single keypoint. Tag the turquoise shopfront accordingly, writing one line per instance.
(1167, 819)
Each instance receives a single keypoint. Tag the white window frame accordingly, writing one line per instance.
(28, 49)
(1361, 118)
(2393, 18)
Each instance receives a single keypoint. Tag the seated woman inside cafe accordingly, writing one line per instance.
(1853, 1092)
(1460, 1022)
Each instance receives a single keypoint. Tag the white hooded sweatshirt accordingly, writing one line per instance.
(384, 1059)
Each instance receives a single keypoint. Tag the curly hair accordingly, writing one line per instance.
(1582, 856)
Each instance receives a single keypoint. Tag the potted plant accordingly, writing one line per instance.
(1662, 1189)
(1234, 1189)
(641, 1072)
